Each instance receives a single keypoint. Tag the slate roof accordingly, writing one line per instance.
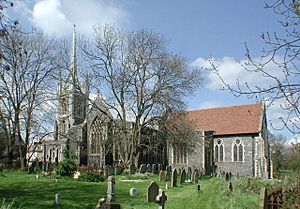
(242, 119)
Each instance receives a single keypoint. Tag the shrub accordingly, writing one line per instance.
(91, 177)
(67, 166)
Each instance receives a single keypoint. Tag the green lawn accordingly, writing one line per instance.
(29, 192)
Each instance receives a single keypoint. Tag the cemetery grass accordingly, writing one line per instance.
(28, 192)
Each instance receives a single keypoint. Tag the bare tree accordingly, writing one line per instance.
(27, 65)
(139, 79)
(278, 65)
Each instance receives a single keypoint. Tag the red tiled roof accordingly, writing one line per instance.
(241, 119)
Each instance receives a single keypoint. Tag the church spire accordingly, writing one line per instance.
(74, 61)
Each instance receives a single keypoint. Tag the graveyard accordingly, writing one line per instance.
(24, 190)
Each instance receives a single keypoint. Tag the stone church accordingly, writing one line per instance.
(230, 138)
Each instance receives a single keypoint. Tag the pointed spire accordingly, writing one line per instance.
(74, 62)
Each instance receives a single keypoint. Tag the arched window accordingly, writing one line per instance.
(219, 151)
(96, 137)
(179, 154)
(238, 150)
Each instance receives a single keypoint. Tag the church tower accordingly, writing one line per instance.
(72, 100)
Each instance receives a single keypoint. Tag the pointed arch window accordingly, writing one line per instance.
(219, 151)
(96, 137)
(179, 154)
(238, 150)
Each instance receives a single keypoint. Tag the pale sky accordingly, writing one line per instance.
(196, 29)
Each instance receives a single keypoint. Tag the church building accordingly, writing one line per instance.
(231, 139)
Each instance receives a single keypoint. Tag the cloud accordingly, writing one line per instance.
(231, 71)
(58, 16)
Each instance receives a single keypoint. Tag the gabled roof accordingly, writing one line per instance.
(243, 119)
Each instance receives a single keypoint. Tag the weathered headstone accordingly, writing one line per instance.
(110, 189)
(159, 168)
(174, 178)
(189, 174)
(152, 191)
(154, 168)
(133, 192)
(143, 168)
(169, 168)
(110, 200)
(227, 176)
(149, 168)
(162, 176)
(161, 199)
(131, 169)
(106, 171)
(168, 175)
(195, 177)
(237, 176)
(117, 169)
(230, 187)
(182, 176)
(263, 198)
(57, 199)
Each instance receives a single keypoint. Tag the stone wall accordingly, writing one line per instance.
(245, 167)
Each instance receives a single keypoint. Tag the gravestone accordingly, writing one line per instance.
(57, 199)
(263, 200)
(179, 170)
(143, 168)
(162, 176)
(168, 175)
(133, 192)
(149, 168)
(152, 191)
(161, 199)
(195, 177)
(237, 175)
(131, 169)
(198, 187)
(154, 168)
(110, 200)
(189, 174)
(106, 171)
(159, 168)
(227, 176)
(174, 178)
(182, 176)
(169, 168)
(230, 187)
(110, 189)
(117, 169)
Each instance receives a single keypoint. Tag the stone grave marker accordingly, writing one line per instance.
(182, 176)
(195, 177)
(143, 168)
(227, 177)
(162, 176)
(159, 168)
(230, 187)
(110, 200)
(133, 192)
(154, 168)
(174, 178)
(161, 199)
(169, 168)
(106, 171)
(152, 191)
(131, 169)
(57, 199)
(117, 170)
(149, 168)
(189, 174)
